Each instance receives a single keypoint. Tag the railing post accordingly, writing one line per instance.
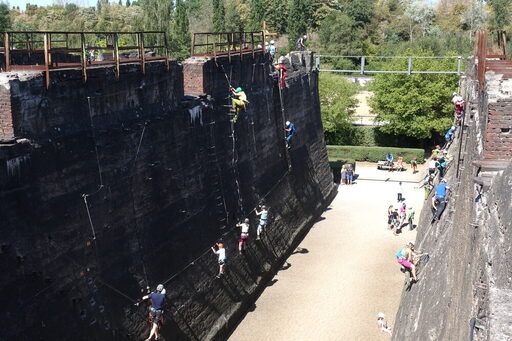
(166, 50)
(252, 44)
(83, 58)
(241, 46)
(50, 61)
(7, 51)
(317, 62)
(363, 62)
(116, 55)
(142, 56)
(459, 60)
(46, 60)
(207, 42)
(229, 47)
(409, 65)
(193, 44)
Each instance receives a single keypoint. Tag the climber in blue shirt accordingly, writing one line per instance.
(263, 220)
(290, 133)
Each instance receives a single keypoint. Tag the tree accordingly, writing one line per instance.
(128, 4)
(5, 18)
(420, 14)
(236, 15)
(501, 11)
(339, 35)
(337, 106)
(416, 105)
(275, 15)
(360, 10)
(474, 18)
(256, 15)
(98, 5)
(180, 34)
(120, 2)
(218, 16)
(297, 21)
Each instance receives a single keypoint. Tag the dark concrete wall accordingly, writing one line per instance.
(164, 181)
(464, 288)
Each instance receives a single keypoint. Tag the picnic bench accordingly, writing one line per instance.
(394, 166)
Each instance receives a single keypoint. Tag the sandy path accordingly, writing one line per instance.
(348, 274)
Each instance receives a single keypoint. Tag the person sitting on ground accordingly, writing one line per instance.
(414, 165)
(238, 102)
(382, 325)
(263, 214)
(290, 133)
(244, 235)
(156, 310)
(389, 160)
(449, 135)
(300, 43)
(221, 252)
(405, 257)
(349, 174)
(400, 163)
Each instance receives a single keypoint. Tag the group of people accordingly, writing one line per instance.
(244, 227)
(399, 165)
(401, 215)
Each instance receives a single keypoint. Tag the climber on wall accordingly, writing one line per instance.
(290, 133)
(263, 214)
(156, 310)
(221, 252)
(238, 102)
(405, 257)
(244, 235)
(439, 200)
(300, 43)
(282, 75)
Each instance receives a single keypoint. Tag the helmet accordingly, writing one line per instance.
(263, 207)
(246, 220)
(404, 204)
(380, 315)
(159, 287)
(220, 245)
(266, 43)
(453, 127)
(444, 181)
(438, 147)
(287, 123)
(238, 89)
(272, 42)
(454, 94)
(305, 36)
(410, 242)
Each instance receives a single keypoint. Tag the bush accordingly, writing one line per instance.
(373, 154)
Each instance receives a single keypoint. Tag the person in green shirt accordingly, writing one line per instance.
(414, 165)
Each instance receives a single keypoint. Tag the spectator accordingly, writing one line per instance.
(414, 165)
(382, 325)
(399, 190)
(350, 174)
(400, 163)
(389, 159)
(343, 174)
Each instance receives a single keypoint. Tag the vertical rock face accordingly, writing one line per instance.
(464, 289)
(112, 186)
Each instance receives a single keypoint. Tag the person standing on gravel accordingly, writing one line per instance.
(400, 191)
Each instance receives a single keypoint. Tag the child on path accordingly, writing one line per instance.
(349, 174)
(414, 164)
(221, 251)
(382, 325)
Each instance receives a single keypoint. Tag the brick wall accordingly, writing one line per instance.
(498, 137)
(6, 126)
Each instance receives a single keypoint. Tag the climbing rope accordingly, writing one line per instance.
(94, 140)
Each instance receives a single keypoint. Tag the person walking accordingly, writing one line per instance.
(155, 310)
(399, 190)
(221, 252)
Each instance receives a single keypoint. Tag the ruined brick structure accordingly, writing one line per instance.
(464, 289)
(114, 185)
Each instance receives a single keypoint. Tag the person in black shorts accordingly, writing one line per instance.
(156, 310)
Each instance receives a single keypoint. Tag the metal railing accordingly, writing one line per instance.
(376, 64)
(227, 43)
(56, 50)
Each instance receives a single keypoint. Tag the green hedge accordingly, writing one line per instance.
(373, 154)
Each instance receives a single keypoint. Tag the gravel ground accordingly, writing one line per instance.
(344, 271)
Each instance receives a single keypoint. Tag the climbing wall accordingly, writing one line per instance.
(111, 187)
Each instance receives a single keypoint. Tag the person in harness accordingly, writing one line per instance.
(156, 310)
(263, 214)
(272, 50)
(300, 43)
(239, 101)
(290, 133)
(281, 69)
(405, 257)
(439, 200)
(244, 235)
